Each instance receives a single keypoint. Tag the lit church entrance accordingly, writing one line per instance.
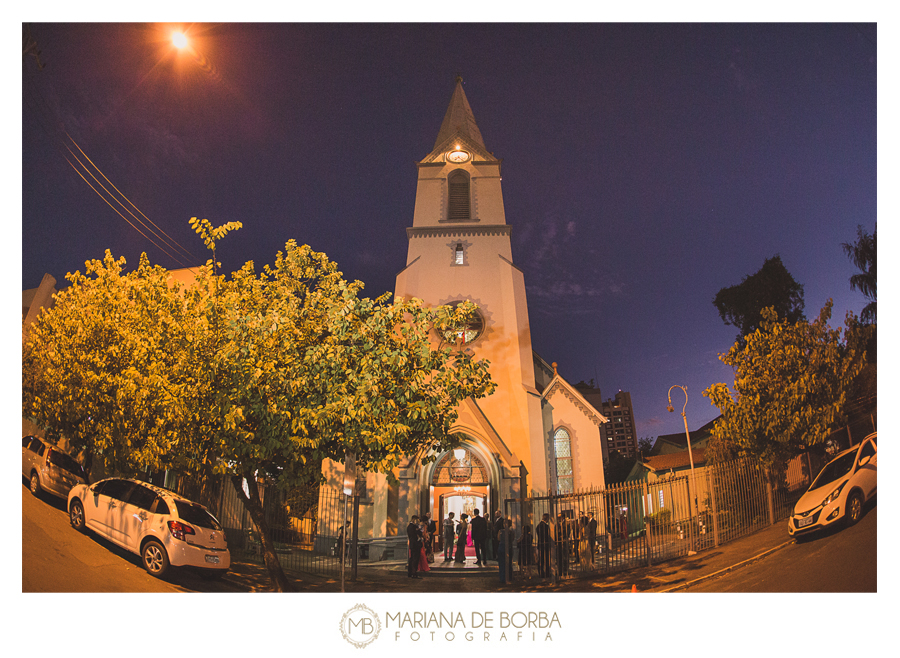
(460, 483)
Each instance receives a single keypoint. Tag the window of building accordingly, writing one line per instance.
(458, 197)
(469, 332)
(562, 448)
(460, 255)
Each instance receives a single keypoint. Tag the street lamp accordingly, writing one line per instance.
(670, 408)
(687, 434)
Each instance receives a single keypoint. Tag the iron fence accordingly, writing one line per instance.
(639, 523)
(305, 525)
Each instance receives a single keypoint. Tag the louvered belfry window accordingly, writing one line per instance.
(458, 202)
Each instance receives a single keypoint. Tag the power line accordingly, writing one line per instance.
(43, 114)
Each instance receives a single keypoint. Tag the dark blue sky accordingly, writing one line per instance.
(644, 166)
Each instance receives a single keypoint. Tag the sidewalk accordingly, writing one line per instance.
(669, 576)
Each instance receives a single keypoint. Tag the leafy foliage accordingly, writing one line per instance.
(772, 286)
(253, 376)
(791, 386)
(97, 370)
(863, 253)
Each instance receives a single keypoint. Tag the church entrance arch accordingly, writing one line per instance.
(460, 482)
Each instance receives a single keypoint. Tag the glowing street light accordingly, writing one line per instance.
(179, 40)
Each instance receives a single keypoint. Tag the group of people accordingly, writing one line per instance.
(570, 536)
(420, 533)
(486, 538)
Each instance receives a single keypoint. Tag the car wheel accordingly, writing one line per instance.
(35, 484)
(76, 515)
(154, 558)
(854, 508)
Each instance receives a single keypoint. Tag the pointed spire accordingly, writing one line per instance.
(459, 121)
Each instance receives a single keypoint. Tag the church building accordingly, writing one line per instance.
(536, 429)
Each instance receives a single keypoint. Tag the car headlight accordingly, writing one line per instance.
(833, 496)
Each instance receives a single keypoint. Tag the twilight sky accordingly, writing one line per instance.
(645, 166)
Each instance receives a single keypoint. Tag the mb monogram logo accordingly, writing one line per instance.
(360, 626)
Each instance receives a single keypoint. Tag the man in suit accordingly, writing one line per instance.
(592, 534)
(543, 546)
(479, 534)
(415, 547)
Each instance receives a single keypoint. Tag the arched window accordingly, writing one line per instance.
(458, 199)
(562, 450)
(460, 466)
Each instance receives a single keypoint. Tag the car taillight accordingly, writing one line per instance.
(179, 530)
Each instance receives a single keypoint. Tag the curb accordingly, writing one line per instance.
(725, 570)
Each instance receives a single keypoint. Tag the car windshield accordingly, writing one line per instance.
(196, 515)
(834, 470)
(66, 463)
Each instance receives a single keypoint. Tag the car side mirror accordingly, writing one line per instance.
(865, 460)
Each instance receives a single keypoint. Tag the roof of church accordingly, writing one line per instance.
(459, 126)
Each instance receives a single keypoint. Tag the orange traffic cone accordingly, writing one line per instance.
(634, 589)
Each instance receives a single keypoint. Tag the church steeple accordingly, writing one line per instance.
(459, 129)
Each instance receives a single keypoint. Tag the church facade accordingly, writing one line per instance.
(536, 431)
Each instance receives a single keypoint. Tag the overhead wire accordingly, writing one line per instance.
(42, 114)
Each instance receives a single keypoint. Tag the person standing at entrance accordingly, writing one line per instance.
(592, 534)
(414, 535)
(495, 528)
(448, 537)
(479, 534)
(462, 530)
(543, 546)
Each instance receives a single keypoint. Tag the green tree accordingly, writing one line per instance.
(741, 305)
(617, 467)
(97, 366)
(645, 445)
(863, 253)
(791, 386)
(253, 377)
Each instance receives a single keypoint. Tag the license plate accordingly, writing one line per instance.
(212, 559)
(802, 523)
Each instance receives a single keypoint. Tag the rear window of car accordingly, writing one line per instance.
(196, 515)
(65, 462)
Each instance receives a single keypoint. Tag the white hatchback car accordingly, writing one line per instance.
(160, 526)
(840, 490)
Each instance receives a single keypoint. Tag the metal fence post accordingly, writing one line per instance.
(354, 546)
(770, 496)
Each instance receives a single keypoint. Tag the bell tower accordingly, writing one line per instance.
(459, 249)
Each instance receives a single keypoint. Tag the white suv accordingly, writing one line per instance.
(840, 490)
(157, 524)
